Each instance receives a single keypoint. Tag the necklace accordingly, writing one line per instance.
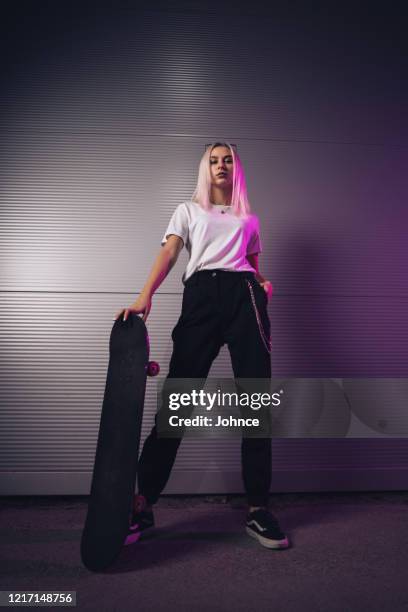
(225, 206)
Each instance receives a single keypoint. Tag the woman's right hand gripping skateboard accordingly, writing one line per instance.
(142, 304)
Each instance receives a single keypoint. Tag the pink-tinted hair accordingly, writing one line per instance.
(201, 195)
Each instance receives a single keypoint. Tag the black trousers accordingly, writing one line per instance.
(217, 309)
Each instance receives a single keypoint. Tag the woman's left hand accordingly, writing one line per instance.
(268, 288)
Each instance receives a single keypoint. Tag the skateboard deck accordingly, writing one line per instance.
(114, 474)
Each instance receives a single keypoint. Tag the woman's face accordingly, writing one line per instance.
(221, 162)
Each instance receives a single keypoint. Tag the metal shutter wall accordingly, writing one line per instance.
(102, 129)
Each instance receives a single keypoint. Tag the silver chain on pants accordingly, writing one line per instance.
(267, 342)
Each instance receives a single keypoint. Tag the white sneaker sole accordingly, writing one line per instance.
(266, 541)
(131, 538)
(134, 537)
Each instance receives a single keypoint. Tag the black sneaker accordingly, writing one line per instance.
(139, 522)
(263, 525)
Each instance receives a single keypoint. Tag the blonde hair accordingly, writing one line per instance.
(201, 195)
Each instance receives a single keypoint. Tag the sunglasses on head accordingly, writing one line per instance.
(210, 144)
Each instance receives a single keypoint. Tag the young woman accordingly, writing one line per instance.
(224, 302)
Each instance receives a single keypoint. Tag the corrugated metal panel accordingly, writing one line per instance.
(76, 210)
(284, 75)
(53, 370)
(101, 142)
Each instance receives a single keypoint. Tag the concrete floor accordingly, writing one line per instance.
(349, 553)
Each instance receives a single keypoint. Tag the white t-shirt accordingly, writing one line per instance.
(214, 239)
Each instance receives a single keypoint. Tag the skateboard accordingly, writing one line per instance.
(110, 503)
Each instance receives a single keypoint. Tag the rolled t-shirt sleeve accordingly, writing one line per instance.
(178, 225)
(254, 243)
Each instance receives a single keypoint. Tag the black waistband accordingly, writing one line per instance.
(217, 272)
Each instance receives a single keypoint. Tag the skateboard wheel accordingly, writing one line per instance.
(153, 368)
